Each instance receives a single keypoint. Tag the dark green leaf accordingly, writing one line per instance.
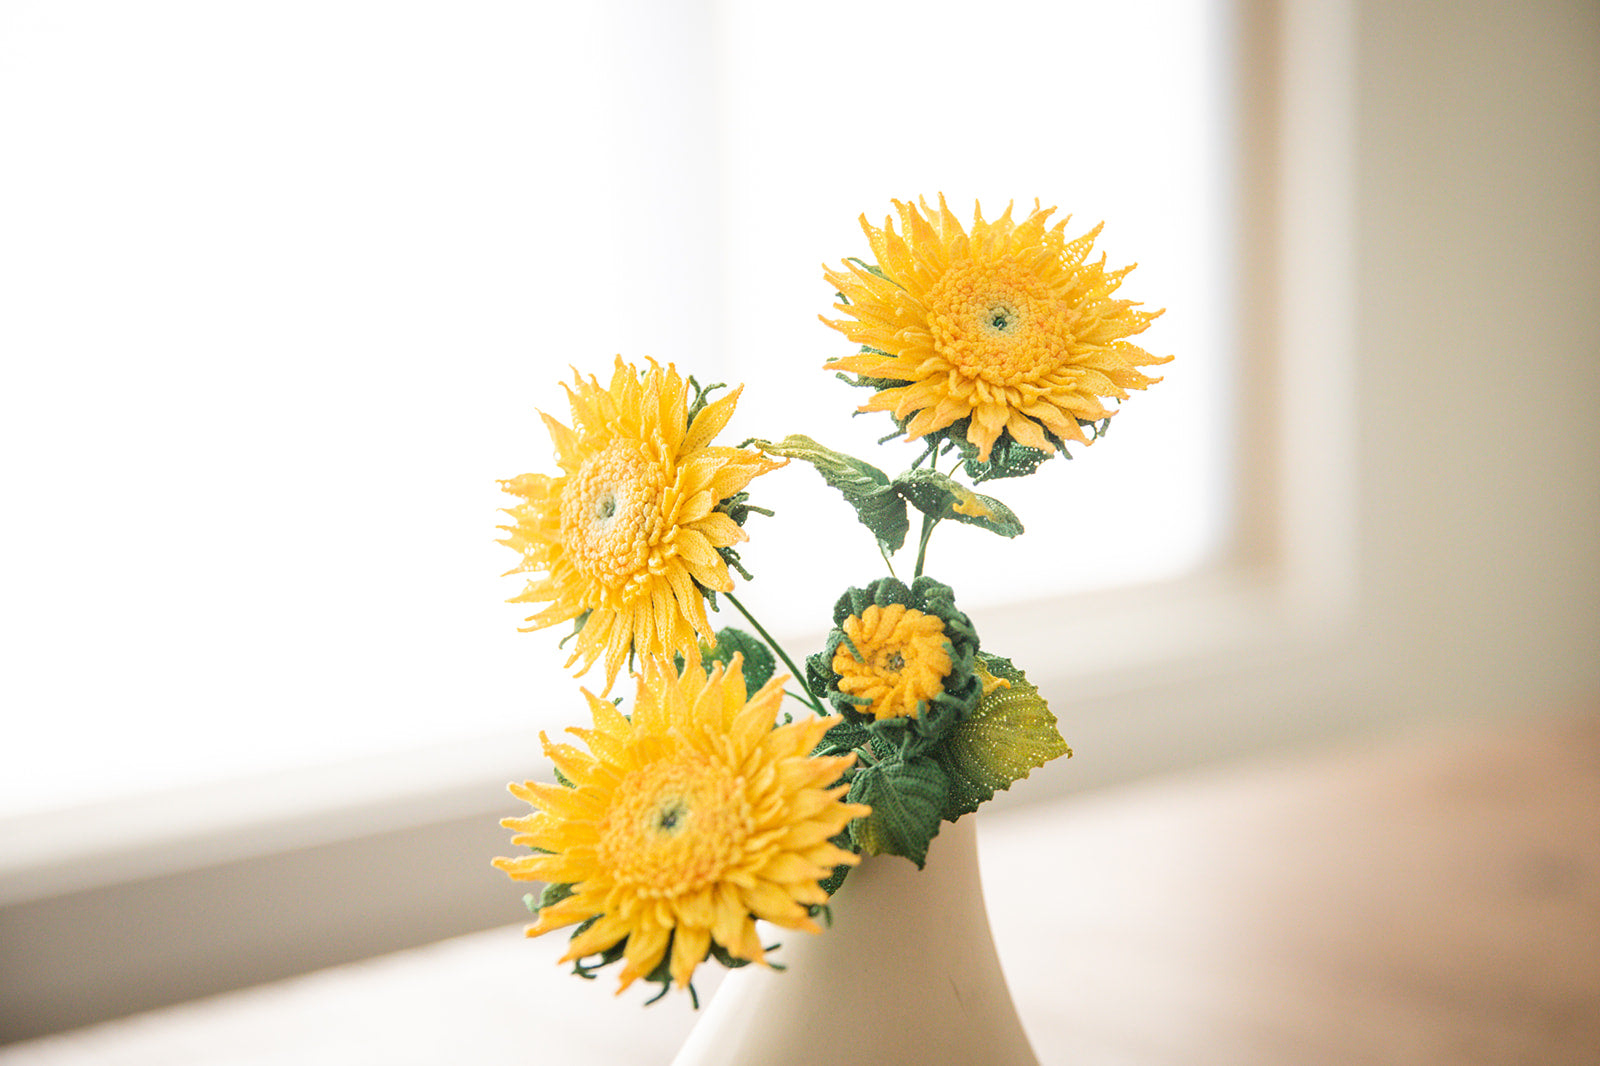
(1006, 459)
(942, 496)
(864, 486)
(551, 895)
(831, 883)
(907, 801)
(758, 661)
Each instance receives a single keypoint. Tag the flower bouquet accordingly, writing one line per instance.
(721, 792)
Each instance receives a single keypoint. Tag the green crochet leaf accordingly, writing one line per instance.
(831, 883)
(865, 487)
(1006, 459)
(758, 661)
(1011, 734)
(907, 800)
(942, 496)
(548, 897)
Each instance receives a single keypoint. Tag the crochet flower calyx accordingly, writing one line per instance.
(939, 725)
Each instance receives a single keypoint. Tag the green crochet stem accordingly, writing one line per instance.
(799, 675)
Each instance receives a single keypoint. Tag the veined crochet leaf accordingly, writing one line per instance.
(758, 661)
(907, 799)
(864, 486)
(1011, 734)
(942, 496)
(1007, 459)
(548, 897)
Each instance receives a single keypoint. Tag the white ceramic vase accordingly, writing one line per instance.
(906, 974)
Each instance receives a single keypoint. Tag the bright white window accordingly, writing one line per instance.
(1110, 112)
(283, 284)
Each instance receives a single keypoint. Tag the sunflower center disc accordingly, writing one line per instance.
(904, 659)
(609, 512)
(996, 323)
(675, 826)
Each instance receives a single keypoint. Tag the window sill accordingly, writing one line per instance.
(206, 889)
(1282, 863)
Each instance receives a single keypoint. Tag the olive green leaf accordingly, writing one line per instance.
(864, 486)
(907, 799)
(1010, 734)
(942, 496)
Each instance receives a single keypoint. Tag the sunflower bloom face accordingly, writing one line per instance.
(1004, 332)
(628, 536)
(685, 824)
(896, 657)
(899, 664)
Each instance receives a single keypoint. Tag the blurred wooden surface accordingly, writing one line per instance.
(1434, 899)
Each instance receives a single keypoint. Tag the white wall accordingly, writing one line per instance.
(1478, 355)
